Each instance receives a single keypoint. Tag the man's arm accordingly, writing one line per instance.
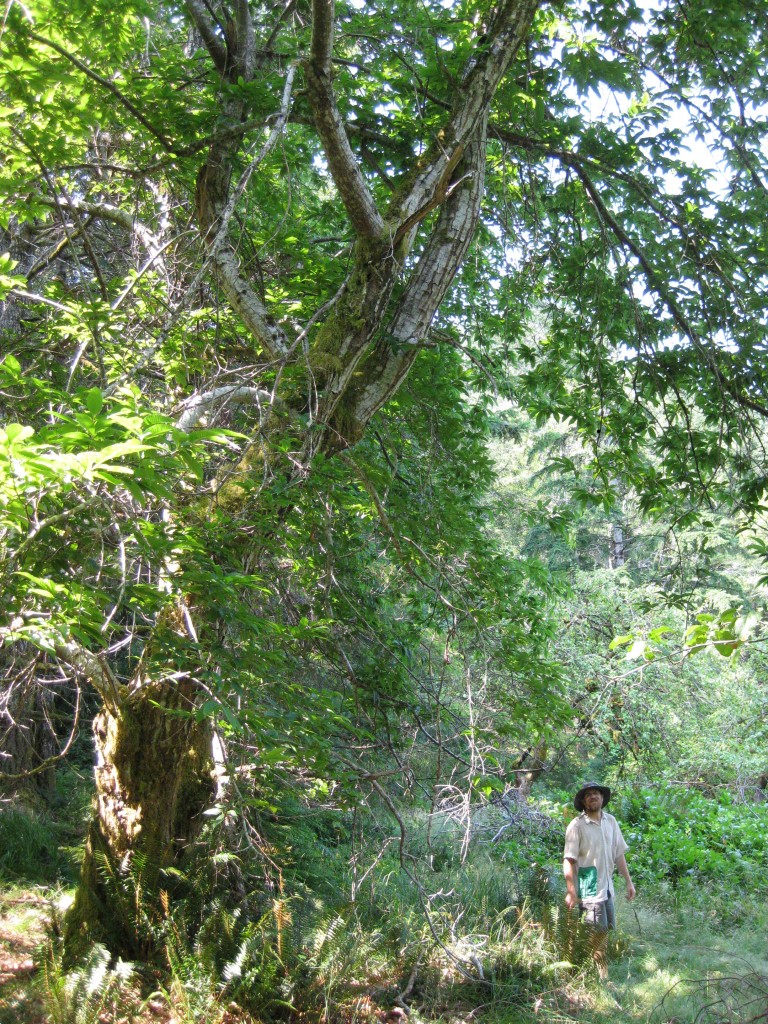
(621, 867)
(571, 873)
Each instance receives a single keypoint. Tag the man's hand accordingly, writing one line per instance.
(571, 876)
(621, 866)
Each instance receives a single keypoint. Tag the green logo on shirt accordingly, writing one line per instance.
(587, 883)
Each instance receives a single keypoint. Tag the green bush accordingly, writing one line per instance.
(689, 841)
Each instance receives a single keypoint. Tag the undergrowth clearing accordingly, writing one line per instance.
(669, 965)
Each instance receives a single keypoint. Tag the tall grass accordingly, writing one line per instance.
(29, 848)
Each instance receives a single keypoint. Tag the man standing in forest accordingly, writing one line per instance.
(594, 848)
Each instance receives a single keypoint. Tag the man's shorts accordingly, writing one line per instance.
(599, 915)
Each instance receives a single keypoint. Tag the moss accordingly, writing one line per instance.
(324, 359)
(356, 314)
(232, 491)
(147, 811)
(231, 496)
(345, 425)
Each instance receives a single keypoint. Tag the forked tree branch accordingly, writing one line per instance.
(446, 250)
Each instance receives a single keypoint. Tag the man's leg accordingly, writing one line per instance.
(600, 917)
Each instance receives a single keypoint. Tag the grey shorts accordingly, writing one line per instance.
(599, 915)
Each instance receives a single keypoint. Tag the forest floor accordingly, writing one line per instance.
(24, 917)
(675, 967)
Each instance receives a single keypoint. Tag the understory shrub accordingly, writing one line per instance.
(694, 845)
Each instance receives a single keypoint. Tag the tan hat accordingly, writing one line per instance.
(578, 800)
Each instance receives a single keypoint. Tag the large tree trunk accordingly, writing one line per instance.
(153, 781)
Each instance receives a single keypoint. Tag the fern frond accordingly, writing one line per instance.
(84, 994)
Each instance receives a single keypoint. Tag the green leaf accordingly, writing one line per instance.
(16, 433)
(94, 401)
(621, 641)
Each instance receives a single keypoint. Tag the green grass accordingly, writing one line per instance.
(28, 847)
(677, 966)
(684, 966)
(44, 846)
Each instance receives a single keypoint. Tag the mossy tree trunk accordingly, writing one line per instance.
(153, 780)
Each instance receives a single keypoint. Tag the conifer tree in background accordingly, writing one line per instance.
(320, 227)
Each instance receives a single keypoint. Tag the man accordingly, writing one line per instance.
(594, 848)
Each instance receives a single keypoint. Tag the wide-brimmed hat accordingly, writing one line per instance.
(578, 800)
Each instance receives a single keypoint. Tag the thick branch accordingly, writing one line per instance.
(109, 212)
(385, 369)
(215, 47)
(481, 80)
(215, 207)
(93, 668)
(342, 163)
(247, 304)
(245, 58)
(197, 406)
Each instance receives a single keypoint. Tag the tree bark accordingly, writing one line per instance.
(28, 744)
(617, 555)
(526, 779)
(154, 779)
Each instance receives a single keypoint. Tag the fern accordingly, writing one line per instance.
(132, 892)
(298, 956)
(83, 995)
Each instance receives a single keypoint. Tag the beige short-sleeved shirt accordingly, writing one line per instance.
(595, 844)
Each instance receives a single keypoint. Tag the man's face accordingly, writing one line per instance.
(593, 800)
